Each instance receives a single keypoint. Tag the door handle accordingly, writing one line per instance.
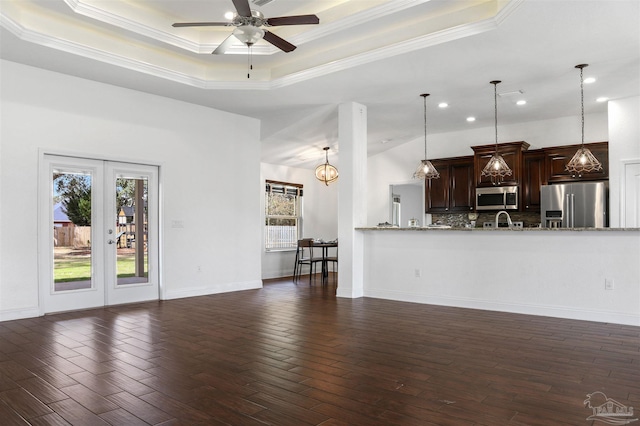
(111, 242)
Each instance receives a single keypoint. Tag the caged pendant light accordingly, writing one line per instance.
(583, 160)
(326, 172)
(496, 168)
(425, 170)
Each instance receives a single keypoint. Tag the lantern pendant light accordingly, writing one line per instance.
(425, 170)
(583, 160)
(326, 172)
(496, 168)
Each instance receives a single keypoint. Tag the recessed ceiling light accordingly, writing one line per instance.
(602, 99)
(443, 105)
(470, 119)
(521, 102)
(589, 80)
(229, 15)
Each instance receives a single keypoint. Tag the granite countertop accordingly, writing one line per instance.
(442, 228)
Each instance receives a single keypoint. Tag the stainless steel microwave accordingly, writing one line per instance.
(497, 198)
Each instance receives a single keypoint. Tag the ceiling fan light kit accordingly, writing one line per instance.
(248, 34)
(248, 30)
(249, 25)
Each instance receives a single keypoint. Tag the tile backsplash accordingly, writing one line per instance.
(461, 220)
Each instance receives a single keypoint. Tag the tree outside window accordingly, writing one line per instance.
(283, 215)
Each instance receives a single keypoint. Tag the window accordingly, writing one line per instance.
(283, 215)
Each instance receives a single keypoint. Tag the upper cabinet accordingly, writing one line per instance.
(547, 165)
(512, 154)
(454, 191)
(558, 157)
(533, 176)
(459, 176)
(462, 188)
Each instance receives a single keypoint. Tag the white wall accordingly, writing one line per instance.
(411, 202)
(624, 145)
(398, 164)
(320, 214)
(551, 273)
(210, 178)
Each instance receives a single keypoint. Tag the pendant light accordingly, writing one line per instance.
(583, 160)
(496, 168)
(326, 172)
(425, 170)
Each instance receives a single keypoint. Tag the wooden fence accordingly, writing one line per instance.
(72, 236)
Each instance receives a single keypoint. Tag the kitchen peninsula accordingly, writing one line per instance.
(587, 274)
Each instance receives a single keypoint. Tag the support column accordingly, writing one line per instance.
(352, 200)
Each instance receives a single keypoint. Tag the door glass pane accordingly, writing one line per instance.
(132, 260)
(72, 268)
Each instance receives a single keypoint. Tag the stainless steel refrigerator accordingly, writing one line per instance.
(574, 205)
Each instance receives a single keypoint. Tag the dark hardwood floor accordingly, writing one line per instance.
(295, 355)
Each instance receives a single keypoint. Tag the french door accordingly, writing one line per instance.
(98, 230)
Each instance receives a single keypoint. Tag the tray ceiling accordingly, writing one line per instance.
(381, 53)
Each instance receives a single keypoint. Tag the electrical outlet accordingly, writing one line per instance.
(199, 268)
(417, 273)
(608, 284)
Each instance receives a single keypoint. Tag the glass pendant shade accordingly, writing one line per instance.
(326, 172)
(583, 160)
(425, 169)
(496, 168)
(248, 34)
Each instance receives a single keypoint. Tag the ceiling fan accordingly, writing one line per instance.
(248, 23)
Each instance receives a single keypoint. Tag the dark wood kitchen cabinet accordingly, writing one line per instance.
(558, 157)
(512, 154)
(533, 176)
(454, 191)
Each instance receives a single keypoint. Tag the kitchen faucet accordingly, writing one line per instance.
(509, 222)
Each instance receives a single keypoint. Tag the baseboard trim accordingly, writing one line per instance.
(213, 289)
(516, 308)
(15, 314)
(276, 274)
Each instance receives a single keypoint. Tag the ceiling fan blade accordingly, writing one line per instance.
(222, 47)
(242, 7)
(201, 24)
(293, 20)
(278, 42)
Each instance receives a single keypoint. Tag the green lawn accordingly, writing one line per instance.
(69, 269)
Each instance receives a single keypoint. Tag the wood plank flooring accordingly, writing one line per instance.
(296, 355)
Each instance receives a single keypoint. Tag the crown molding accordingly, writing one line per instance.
(82, 8)
(122, 61)
(351, 21)
(425, 41)
(77, 6)
(422, 42)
